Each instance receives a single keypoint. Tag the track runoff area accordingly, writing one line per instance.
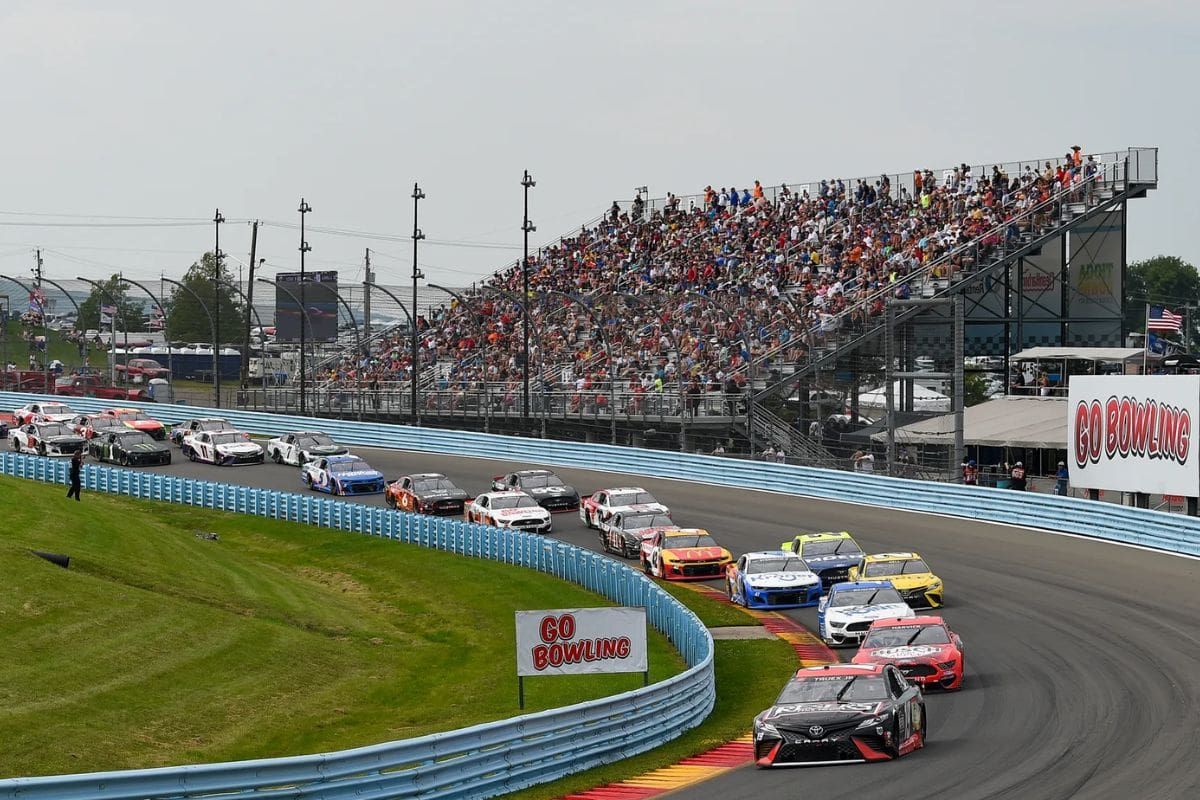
(1081, 655)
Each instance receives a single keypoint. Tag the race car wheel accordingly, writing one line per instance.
(276, 457)
(41, 448)
(583, 517)
(646, 566)
(16, 445)
(124, 459)
(390, 501)
(191, 454)
(308, 481)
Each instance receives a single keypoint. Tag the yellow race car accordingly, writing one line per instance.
(830, 555)
(908, 572)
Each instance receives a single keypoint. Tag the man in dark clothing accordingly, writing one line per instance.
(76, 469)
(1018, 477)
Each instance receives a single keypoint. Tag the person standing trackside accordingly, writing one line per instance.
(1018, 477)
(75, 475)
(1061, 478)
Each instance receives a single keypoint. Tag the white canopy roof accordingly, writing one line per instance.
(924, 399)
(1080, 354)
(1039, 422)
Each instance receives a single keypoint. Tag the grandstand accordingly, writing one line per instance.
(692, 320)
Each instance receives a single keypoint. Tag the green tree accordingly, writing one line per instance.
(187, 320)
(1163, 280)
(130, 310)
(974, 389)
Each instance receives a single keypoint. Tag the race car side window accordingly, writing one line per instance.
(483, 502)
(895, 682)
(741, 565)
(406, 484)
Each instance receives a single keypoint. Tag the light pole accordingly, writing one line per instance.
(304, 248)
(216, 284)
(527, 227)
(417, 197)
(303, 311)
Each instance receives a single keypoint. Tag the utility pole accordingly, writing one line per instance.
(41, 300)
(217, 220)
(527, 227)
(367, 298)
(244, 377)
(417, 196)
(304, 248)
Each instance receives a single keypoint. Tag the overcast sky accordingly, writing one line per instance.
(170, 110)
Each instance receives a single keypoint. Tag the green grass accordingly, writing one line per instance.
(157, 647)
(64, 351)
(711, 613)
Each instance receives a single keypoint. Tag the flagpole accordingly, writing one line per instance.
(1146, 339)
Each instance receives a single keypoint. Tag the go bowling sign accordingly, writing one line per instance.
(1134, 433)
(575, 641)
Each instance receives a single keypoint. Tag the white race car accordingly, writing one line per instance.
(509, 510)
(223, 448)
(593, 510)
(622, 529)
(42, 412)
(845, 614)
(47, 439)
(301, 447)
(182, 433)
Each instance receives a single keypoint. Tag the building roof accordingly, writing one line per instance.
(1039, 422)
(1080, 354)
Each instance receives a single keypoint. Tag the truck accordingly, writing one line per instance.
(95, 386)
(140, 370)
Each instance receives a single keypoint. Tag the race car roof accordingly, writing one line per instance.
(684, 532)
(425, 475)
(341, 459)
(846, 586)
(530, 472)
(764, 554)
(892, 557)
(910, 622)
(824, 536)
(639, 508)
(622, 489)
(839, 670)
(505, 493)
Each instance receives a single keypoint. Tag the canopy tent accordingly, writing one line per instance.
(1119, 354)
(1034, 422)
(923, 399)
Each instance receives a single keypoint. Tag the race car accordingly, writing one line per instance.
(622, 529)
(542, 485)
(128, 448)
(841, 713)
(42, 412)
(845, 614)
(830, 555)
(908, 572)
(924, 649)
(342, 475)
(181, 433)
(594, 507)
(684, 554)
(139, 421)
(46, 439)
(772, 579)
(90, 426)
(509, 510)
(426, 493)
(224, 448)
(301, 447)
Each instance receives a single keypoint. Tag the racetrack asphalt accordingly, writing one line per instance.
(1082, 657)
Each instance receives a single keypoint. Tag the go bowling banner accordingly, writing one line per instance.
(1134, 433)
(573, 641)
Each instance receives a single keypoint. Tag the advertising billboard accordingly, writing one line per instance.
(577, 641)
(320, 299)
(1134, 433)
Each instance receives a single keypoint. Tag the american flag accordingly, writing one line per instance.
(1163, 319)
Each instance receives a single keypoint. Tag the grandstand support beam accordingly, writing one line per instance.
(749, 358)
(959, 382)
(417, 236)
(303, 317)
(45, 327)
(889, 390)
(612, 378)
(213, 323)
(527, 227)
(166, 332)
(304, 248)
(474, 311)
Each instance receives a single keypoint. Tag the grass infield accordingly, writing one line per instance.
(158, 646)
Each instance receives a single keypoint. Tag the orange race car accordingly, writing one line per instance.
(684, 554)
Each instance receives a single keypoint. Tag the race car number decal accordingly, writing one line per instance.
(917, 651)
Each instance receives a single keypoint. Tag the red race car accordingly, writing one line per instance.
(138, 420)
(924, 649)
(684, 554)
(89, 426)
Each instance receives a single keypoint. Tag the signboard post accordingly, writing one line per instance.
(580, 641)
(1134, 433)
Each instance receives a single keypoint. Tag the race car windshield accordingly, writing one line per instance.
(689, 540)
(433, 485)
(130, 439)
(316, 441)
(55, 410)
(216, 425)
(839, 547)
(107, 422)
(865, 597)
(513, 502)
(630, 499)
(540, 481)
(227, 438)
(55, 430)
(134, 415)
(637, 521)
(358, 465)
(853, 689)
(906, 635)
(881, 569)
(761, 565)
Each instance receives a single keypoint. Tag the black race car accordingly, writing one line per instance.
(543, 486)
(841, 713)
(129, 448)
(426, 493)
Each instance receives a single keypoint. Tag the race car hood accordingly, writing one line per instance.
(514, 513)
(358, 475)
(816, 563)
(143, 424)
(66, 439)
(917, 580)
(781, 580)
(239, 447)
(803, 715)
(551, 491)
(56, 417)
(861, 613)
(327, 450)
(446, 494)
(905, 653)
(696, 553)
(646, 533)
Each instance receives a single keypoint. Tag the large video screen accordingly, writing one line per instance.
(319, 297)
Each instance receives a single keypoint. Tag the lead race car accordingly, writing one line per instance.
(841, 713)
(342, 475)
(772, 579)
(845, 614)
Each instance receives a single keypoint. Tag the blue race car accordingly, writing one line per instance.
(772, 579)
(830, 554)
(845, 614)
(342, 475)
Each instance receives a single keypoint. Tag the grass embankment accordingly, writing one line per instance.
(60, 348)
(158, 647)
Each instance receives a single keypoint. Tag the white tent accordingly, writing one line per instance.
(923, 399)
